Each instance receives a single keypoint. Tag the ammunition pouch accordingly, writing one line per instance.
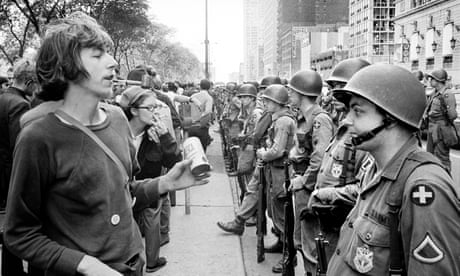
(305, 141)
(300, 167)
(278, 163)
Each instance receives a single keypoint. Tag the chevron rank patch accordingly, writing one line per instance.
(427, 251)
(422, 195)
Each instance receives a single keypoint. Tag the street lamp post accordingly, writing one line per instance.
(206, 43)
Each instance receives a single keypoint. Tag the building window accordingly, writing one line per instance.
(414, 65)
(430, 63)
(447, 62)
(447, 35)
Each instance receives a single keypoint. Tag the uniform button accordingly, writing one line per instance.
(368, 236)
(350, 224)
(115, 219)
(321, 171)
(363, 197)
(366, 214)
(337, 251)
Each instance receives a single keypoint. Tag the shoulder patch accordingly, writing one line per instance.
(427, 251)
(316, 124)
(422, 195)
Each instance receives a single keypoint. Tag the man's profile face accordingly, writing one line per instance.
(100, 67)
(363, 117)
(294, 98)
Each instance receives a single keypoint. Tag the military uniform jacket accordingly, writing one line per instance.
(333, 169)
(251, 120)
(318, 129)
(435, 112)
(281, 135)
(429, 223)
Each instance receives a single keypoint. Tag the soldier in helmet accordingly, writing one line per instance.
(247, 93)
(406, 218)
(440, 115)
(231, 123)
(314, 131)
(338, 78)
(336, 185)
(279, 142)
(249, 204)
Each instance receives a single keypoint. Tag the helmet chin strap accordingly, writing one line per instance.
(366, 136)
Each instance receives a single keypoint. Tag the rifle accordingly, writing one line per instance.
(261, 219)
(224, 140)
(289, 251)
(321, 243)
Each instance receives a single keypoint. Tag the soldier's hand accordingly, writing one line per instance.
(91, 266)
(296, 183)
(325, 195)
(260, 153)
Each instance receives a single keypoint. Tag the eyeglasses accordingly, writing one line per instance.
(150, 108)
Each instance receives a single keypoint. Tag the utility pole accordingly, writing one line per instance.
(206, 44)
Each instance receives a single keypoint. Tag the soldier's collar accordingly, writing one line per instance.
(394, 166)
(283, 111)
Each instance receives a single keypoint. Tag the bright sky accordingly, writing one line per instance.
(225, 29)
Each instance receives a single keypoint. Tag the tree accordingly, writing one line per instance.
(137, 39)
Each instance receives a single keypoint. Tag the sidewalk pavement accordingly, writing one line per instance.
(198, 247)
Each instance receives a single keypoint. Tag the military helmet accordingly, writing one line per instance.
(439, 75)
(345, 69)
(230, 86)
(391, 88)
(247, 89)
(269, 80)
(255, 83)
(277, 93)
(307, 83)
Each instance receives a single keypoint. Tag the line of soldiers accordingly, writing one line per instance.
(310, 160)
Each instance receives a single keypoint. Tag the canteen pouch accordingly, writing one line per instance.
(449, 136)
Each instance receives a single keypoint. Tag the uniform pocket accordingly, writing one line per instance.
(369, 251)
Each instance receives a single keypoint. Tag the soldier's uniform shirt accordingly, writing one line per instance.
(429, 223)
(318, 129)
(435, 112)
(250, 122)
(281, 139)
(332, 167)
(281, 134)
(437, 120)
(319, 125)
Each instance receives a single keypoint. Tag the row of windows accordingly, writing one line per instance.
(417, 3)
(430, 63)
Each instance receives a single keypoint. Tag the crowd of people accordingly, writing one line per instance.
(90, 161)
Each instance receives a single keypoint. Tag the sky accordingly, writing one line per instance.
(225, 29)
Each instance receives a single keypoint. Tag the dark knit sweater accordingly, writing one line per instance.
(65, 192)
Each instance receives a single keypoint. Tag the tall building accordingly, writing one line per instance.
(251, 37)
(372, 30)
(428, 36)
(296, 18)
(269, 19)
